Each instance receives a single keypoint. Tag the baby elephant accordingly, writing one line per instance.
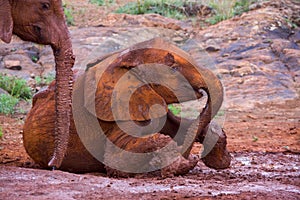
(120, 122)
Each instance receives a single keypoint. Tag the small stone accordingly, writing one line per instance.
(177, 39)
(213, 45)
(293, 130)
(243, 71)
(223, 71)
(212, 48)
(254, 6)
(12, 64)
(255, 28)
(240, 81)
(208, 35)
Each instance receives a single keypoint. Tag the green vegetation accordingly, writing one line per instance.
(220, 114)
(254, 138)
(223, 10)
(69, 14)
(98, 2)
(241, 6)
(1, 132)
(165, 8)
(7, 103)
(34, 59)
(16, 87)
(291, 23)
(101, 2)
(176, 110)
(44, 80)
(226, 9)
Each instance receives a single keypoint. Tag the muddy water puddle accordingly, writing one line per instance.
(250, 172)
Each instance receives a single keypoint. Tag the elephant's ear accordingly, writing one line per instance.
(6, 21)
(116, 94)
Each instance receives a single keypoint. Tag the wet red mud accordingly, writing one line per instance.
(262, 168)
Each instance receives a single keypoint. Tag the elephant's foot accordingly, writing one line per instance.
(117, 173)
(180, 166)
(215, 154)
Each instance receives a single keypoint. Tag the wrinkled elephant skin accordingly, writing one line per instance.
(129, 101)
(43, 22)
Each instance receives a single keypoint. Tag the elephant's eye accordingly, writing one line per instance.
(174, 69)
(45, 6)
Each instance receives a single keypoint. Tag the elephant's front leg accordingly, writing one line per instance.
(215, 154)
(213, 138)
(126, 155)
(184, 131)
(174, 124)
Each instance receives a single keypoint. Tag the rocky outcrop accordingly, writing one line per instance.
(25, 59)
(256, 54)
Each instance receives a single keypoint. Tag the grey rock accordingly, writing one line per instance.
(213, 45)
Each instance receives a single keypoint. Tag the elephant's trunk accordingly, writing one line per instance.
(214, 87)
(210, 134)
(64, 60)
(194, 129)
(215, 91)
(197, 126)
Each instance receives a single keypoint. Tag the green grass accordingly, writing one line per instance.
(174, 109)
(16, 87)
(291, 23)
(102, 2)
(241, 6)
(226, 9)
(69, 14)
(34, 59)
(7, 103)
(165, 8)
(44, 80)
(1, 132)
(98, 2)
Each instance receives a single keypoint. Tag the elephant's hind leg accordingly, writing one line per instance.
(126, 155)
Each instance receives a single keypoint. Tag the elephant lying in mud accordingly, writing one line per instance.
(43, 22)
(121, 123)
